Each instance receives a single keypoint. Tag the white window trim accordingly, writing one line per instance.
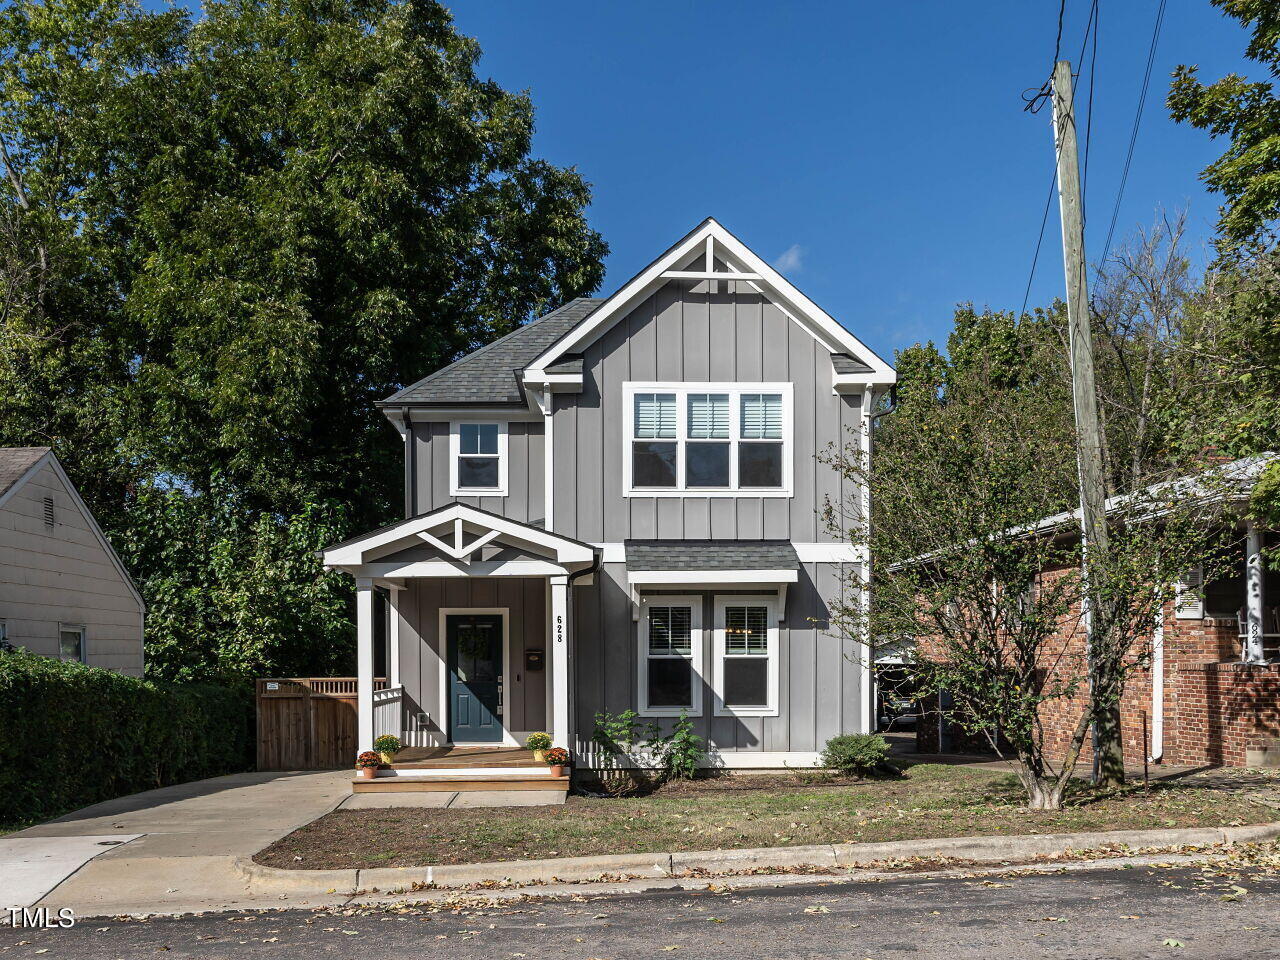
(84, 640)
(455, 447)
(720, 709)
(682, 389)
(695, 658)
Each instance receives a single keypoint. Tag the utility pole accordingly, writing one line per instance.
(1108, 747)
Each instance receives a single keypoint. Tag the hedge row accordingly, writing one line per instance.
(72, 735)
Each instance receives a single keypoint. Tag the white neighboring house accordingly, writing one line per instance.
(63, 590)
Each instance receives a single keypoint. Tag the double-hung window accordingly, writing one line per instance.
(708, 439)
(670, 654)
(478, 459)
(745, 672)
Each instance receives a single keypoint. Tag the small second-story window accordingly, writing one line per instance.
(654, 448)
(479, 458)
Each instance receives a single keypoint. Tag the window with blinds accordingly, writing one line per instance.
(745, 673)
(686, 439)
(746, 631)
(669, 652)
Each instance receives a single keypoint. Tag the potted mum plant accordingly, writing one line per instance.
(368, 763)
(539, 743)
(387, 746)
(557, 757)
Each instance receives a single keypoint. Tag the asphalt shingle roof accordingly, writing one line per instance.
(491, 374)
(711, 555)
(15, 462)
(844, 363)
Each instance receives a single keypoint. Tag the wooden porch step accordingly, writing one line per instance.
(457, 784)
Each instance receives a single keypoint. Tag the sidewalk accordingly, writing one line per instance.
(188, 840)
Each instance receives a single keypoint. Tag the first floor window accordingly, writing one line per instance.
(478, 458)
(746, 667)
(670, 650)
(71, 642)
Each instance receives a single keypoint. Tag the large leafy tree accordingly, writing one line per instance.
(1247, 114)
(223, 239)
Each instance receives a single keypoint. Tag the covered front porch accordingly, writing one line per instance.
(473, 613)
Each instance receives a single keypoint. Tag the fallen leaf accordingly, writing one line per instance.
(1170, 942)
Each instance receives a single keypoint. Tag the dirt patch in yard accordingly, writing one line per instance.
(928, 801)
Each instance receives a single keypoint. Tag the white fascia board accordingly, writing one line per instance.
(821, 324)
(352, 554)
(455, 568)
(646, 578)
(857, 382)
(22, 480)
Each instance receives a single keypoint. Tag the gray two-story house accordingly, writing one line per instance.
(620, 506)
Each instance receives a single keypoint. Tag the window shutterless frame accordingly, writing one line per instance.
(71, 641)
(692, 396)
(769, 657)
(482, 455)
(693, 658)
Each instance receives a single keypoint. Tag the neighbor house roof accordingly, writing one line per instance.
(15, 462)
(491, 375)
(711, 555)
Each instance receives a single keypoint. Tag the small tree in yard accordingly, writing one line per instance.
(990, 598)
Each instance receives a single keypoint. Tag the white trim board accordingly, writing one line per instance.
(779, 760)
(712, 236)
(616, 552)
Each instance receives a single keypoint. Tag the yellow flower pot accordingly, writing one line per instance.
(539, 756)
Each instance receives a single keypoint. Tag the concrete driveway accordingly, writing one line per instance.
(182, 843)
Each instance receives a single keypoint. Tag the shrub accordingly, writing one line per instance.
(856, 753)
(538, 741)
(676, 755)
(388, 743)
(103, 735)
(680, 753)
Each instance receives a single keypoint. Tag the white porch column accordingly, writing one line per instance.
(561, 729)
(1254, 600)
(394, 593)
(364, 665)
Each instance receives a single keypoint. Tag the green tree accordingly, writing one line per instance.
(223, 239)
(1247, 114)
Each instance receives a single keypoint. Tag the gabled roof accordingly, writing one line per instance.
(711, 555)
(15, 462)
(468, 527)
(491, 375)
(20, 464)
(695, 257)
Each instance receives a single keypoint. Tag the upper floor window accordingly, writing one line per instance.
(478, 459)
(695, 439)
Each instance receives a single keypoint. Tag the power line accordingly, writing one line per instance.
(1032, 107)
(1095, 19)
(1137, 120)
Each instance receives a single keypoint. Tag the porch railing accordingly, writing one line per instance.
(388, 711)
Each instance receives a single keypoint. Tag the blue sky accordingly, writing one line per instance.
(878, 153)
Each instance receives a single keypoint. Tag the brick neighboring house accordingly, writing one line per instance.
(1212, 690)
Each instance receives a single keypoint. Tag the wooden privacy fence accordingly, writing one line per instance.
(307, 723)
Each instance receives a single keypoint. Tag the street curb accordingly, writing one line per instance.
(665, 865)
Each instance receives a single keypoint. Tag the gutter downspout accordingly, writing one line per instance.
(1157, 689)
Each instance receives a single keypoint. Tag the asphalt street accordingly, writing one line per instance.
(1114, 913)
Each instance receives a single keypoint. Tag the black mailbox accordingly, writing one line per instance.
(534, 660)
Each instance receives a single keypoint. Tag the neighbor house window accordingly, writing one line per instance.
(745, 673)
(670, 651)
(478, 459)
(71, 642)
(708, 439)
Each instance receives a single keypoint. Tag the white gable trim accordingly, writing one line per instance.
(752, 269)
(83, 507)
(354, 552)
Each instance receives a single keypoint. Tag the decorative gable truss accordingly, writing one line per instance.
(713, 255)
(459, 541)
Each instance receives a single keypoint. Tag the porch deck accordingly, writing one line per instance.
(455, 758)
(465, 769)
